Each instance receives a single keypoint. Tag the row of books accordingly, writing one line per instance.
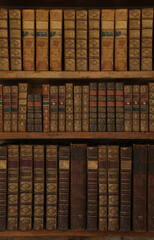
(102, 107)
(105, 187)
(71, 39)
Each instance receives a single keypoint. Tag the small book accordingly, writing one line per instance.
(151, 107)
(136, 108)
(7, 108)
(30, 113)
(144, 108)
(110, 107)
(14, 108)
(22, 107)
(85, 108)
(69, 107)
(38, 112)
(119, 107)
(1, 108)
(77, 108)
(101, 107)
(46, 107)
(53, 108)
(62, 109)
(93, 107)
(128, 108)
(150, 207)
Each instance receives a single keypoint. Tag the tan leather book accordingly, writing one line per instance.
(62, 109)
(22, 107)
(69, 107)
(46, 107)
(85, 108)
(128, 108)
(77, 108)
(136, 108)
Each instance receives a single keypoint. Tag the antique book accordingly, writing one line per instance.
(93, 107)
(46, 107)
(147, 39)
(26, 187)
(69, 40)
(150, 207)
(14, 108)
(139, 209)
(69, 107)
(85, 108)
(13, 187)
(30, 113)
(56, 28)
(51, 186)
(28, 28)
(144, 108)
(42, 39)
(38, 112)
(3, 187)
(4, 47)
(107, 39)
(121, 17)
(119, 107)
(94, 39)
(128, 108)
(53, 108)
(110, 107)
(15, 39)
(103, 188)
(7, 108)
(77, 108)
(22, 107)
(101, 107)
(81, 40)
(64, 188)
(151, 107)
(113, 188)
(136, 108)
(134, 39)
(38, 207)
(92, 189)
(125, 188)
(61, 109)
(78, 186)
(1, 108)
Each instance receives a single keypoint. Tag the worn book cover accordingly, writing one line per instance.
(119, 107)
(14, 108)
(136, 108)
(1, 108)
(53, 108)
(128, 108)
(77, 108)
(22, 107)
(101, 107)
(85, 108)
(144, 108)
(151, 107)
(69, 107)
(62, 109)
(7, 108)
(38, 112)
(150, 188)
(30, 113)
(46, 107)
(111, 107)
(93, 107)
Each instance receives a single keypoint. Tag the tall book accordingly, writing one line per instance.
(128, 108)
(42, 39)
(1, 107)
(46, 107)
(56, 27)
(54, 108)
(4, 47)
(144, 108)
(22, 107)
(147, 39)
(30, 113)
(64, 189)
(77, 108)
(136, 108)
(121, 17)
(110, 107)
(51, 186)
(15, 39)
(125, 188)
(101, 107)
(151, 107)
(62, 109)
(14, 108)
(150, 189)
(7, 108)
(85, 108)
(69, 107)
(92, 189)
(134, 39)
(78, 186)
(93, 107)
(13, 187)
(26, 187)
(28, 27)
(38, 112)
(69, 40)
(94, 39)
(119, 107)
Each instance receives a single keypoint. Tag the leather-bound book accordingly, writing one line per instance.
(128, 108)
(92, 189)
(150, 206)
(144, 108)
(26, 187)
(140, 153)
(13, 187)
(94, 39)
(38, 207)
(110, 107)
(69, 107)
(119, 107)
(69, 40)
(103, 187)
(22, 107)
(101, 107)
(30, 113)
(147, 39)
(28, 28)
(3, 187)
(81, 40)
(151, 107)
(54, 108)
(77, 108)
(15, 39)
(64, 188)
(78, 186)
(42, 39)
(46, 107)
(51, 186)
(134, 39)
(62, 109)
(113, 188)
(4, 47)
(38, 112)
(1, 108)
(136, 108)
(7, 108)
(125, 188)
(107, 39)
(121, 17)
(56, 25)
(14, 108)
(85, 108)
(93, 107)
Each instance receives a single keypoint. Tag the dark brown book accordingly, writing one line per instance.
(144, 108)
(136, 108)
(53, 108)
(101, 107)
(62, 109)
(128, 108)
(14, 108)
(110, 107)
(7, 108)
(77, 108)
(30, 113)
(38, 112)
(1, 108)
(93, 107)
(85, 108)
(46, 107)
(151, 107)
(150, 206)
(119, 107)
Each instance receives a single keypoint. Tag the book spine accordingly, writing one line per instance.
(15, 39)
(93, 107)
(136, 108)
(101, 107)
(110, 107)
(77, 108)
(150, 206)
(62, 109)
(46, 108)
(54, 108)
(14, 108)
(30, 113)
(22, 107)
(13, 187)
(28, 19)
(51, 187)
(144, 108)
(1, 108)
(38, 112)
(69, 40)
(69, 107)
(7, 108)
(119, 107)
(92, 189)
(151, 107)
(85, 108)
(128, 108)
(64, 189)
(94, 39)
